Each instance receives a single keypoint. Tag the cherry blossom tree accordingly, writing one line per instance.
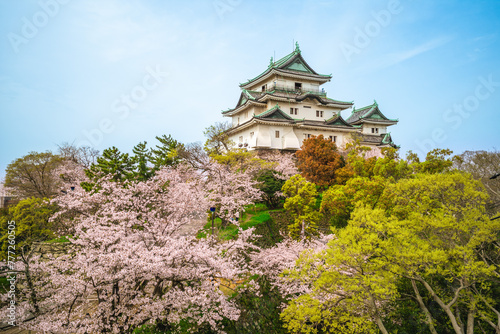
(127, 266)
(278, 261)
(282, 163)
(228, 190)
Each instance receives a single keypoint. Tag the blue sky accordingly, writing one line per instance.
(118, 72)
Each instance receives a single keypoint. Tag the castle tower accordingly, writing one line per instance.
(285, 104)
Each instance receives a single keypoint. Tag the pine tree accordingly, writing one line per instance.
(165, 154)
(112, 162)
(142, 171)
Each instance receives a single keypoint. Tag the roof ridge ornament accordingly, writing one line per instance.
(271, 62)
(375, 102)
(297, 49)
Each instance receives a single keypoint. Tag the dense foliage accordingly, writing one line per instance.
(33, 224)
(319, 160)
(33, 175)
(363, 242)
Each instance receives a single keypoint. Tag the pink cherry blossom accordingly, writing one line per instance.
(126, 264)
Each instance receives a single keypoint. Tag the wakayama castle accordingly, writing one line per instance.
(285, 104)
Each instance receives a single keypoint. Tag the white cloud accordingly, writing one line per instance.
(394, 58)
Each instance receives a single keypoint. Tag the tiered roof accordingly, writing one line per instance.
(337, 120)
(248, 97)
(292, 64)
(371, 114)
(275, 114)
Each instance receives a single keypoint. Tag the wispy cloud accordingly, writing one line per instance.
(487, 37)
(394, 58)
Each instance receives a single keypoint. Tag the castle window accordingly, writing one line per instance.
(307, 107)
(333, 138)
(319, 113)
(298, 86)
(264, 88)
(307, 135)
(374, 130)
(294, 111)
(277, 134)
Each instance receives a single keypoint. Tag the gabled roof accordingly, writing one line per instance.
(369, 113)
(323, 100)
(379, 140)
(293, 62)
(245, 96)
(387, 140)
(262, 97)
(337, 120)
(274, 113)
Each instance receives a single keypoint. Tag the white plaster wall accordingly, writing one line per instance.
(290, 140)
(246, 115)
(276, 142)
(307, 113)
(288, 83)
(263, 136)
(367, 129)
(290, 137)
(246, 137)
(258, 88)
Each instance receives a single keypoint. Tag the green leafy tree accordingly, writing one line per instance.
(339, 201)
(238, 159)
(366, 179)
(301, 204)
(391, 166)
(357, 162)
(270, 184)
(430, 230)
(34, 175)
(436, 161)
(32, 221)
(218, 140)
(442, 228)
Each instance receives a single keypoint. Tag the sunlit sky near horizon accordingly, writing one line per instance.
(67, 67)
